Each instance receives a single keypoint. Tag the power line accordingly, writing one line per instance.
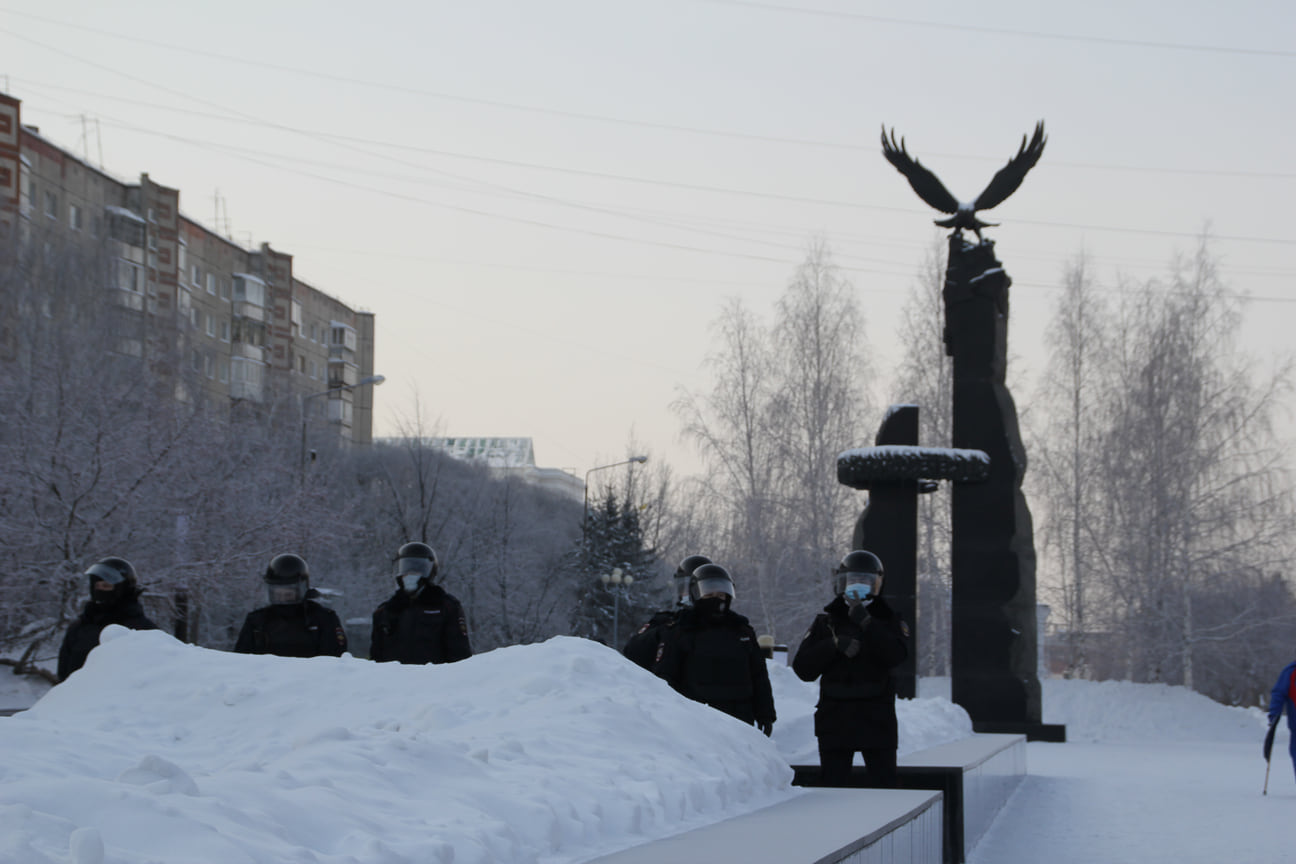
(189, 51)
(316, 134)
(1007, 31)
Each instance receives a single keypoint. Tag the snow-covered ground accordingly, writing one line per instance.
(1150, 774)
(559, 752)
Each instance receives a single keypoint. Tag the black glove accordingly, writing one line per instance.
(859, 614)
(848, 642)
(766, 726)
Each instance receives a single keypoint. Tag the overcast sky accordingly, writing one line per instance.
(546, 203)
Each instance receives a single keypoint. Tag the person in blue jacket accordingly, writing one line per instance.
(1283, 697)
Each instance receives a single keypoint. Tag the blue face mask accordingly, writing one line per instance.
(858, 591)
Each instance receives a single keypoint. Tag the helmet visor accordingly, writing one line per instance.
(861, 586)
(682, 589)
(411, 571)
(715, 585)
(422, 567)
(286, 595)
(104, 573)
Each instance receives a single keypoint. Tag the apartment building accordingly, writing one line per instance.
(247, 330)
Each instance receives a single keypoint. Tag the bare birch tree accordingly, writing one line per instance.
(1067, 454)
(822, 408)
(925, 377)
(1196, 491)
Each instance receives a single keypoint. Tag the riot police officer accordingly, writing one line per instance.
(421, 622)
(114, 599)
(295, 624)
(710, 654)
(851, 647)
(642, 646)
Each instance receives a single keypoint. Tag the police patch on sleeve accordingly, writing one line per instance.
(904, 629)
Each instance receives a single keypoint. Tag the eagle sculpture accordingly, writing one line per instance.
(931, 190)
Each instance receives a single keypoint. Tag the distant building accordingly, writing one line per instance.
(241, 323)
(514, 455)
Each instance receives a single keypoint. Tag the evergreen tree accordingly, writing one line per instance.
(613, 543)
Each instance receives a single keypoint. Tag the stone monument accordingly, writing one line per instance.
(994, 663)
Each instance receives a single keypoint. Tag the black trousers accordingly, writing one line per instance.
(879, 764)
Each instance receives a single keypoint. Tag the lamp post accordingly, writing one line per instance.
(301, 457)
(615, 583)
(585, 520)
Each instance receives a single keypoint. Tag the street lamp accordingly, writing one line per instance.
(615, 583)
(301, 457)
(585, 520)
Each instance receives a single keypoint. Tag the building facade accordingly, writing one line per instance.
(239, 322)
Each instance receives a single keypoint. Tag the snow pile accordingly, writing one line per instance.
(1115, 712)
(163, 752)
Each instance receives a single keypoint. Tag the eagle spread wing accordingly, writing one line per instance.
(1009, 177)
(925, 183)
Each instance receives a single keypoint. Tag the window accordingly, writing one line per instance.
(344, 336)
(210, 363)
(182, 258)
(211, 327)
(51, 204)
(197, 361)
(248, 332)
(301, 363)
(211, 284)
(194, 276)
(74, 217)
(224, 289)
(195, 317)
(225, 331)
(224, 371)
(129, 276)
(249, 289)
(125, 227)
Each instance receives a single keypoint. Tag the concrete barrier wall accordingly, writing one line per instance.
(979, 773)
(986, 788)
(820, 826)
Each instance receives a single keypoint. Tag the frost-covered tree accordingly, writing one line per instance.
(1066, 456)
(785, 400)
(925, 377)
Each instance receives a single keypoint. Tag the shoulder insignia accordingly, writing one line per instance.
(341, 636)
(904, 629)
(661, 648)
(463, 626)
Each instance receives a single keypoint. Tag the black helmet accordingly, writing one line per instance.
(118, 573)
(416, 566)
(287, 579)
(684, 574)
(858, 567)
(708, 579)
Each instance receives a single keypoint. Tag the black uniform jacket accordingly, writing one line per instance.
(83, 635)
(426, 628)
(304, 629)
(856, 707)
(714, 658)
(641, 648)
